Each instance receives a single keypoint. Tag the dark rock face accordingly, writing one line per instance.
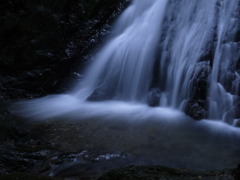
(237, 107)
(196, 106)
(195, 109)
(43, 42)
(153, 98)
(237, 122)
(200, 82)
(160, 172)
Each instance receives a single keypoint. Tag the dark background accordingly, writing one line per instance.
(43, 44)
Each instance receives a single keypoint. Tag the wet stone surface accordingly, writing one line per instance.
(65, 150)
(37, 148)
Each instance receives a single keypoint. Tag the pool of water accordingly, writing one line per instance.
(123, 133)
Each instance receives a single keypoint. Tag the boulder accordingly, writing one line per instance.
(195, 109)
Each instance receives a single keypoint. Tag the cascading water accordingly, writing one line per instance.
(123, 68)
(184, 51)
(224, 80)
(181, 55)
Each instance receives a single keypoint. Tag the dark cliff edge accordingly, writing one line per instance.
(42, 46)
(43, 43)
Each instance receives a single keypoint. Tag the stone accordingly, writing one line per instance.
(237, 122)
(153, 98)
(195, 109)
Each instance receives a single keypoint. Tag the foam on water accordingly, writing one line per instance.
(69, 106)
(178, 141)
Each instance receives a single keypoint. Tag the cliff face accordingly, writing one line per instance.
(43, 42)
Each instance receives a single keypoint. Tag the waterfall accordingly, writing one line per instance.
(123, 68)
(165, 63)
(179, 54)
(225, 71)
(183, 55)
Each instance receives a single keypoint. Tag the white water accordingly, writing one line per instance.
(153, 135)
(161, 44)
(176, 43)
(123, 68)
(224, 64)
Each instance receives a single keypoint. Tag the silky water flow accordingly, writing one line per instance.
(172, 53)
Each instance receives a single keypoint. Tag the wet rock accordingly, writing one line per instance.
(24, 176)
(236, 105)
(101, 94)
(237, 172)
(42, 50)
(200, 81)
(160, 172)
(153, 98)
(237, 123)
(195, 109)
